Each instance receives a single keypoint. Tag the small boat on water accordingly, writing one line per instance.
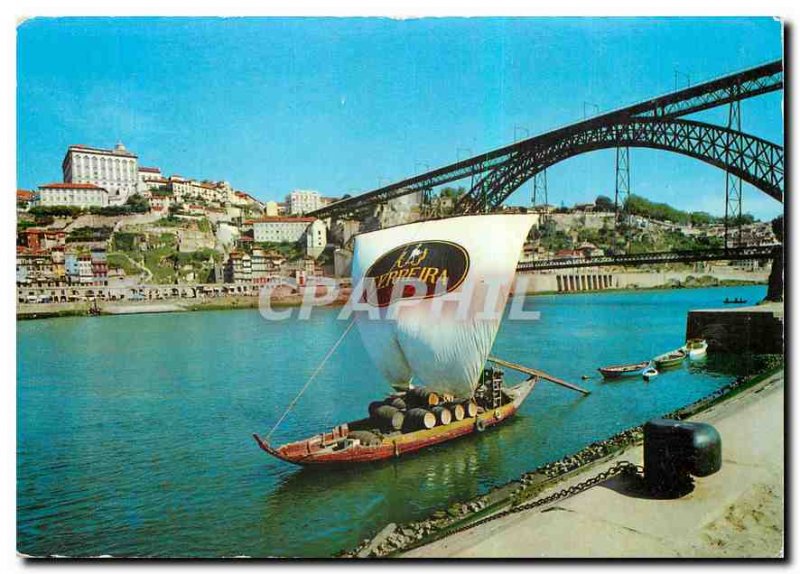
(417, 342)
(671, 359)
(618, 371)
(649, 373)
(737, 301)
(696, 348)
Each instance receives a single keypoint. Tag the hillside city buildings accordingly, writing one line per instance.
(202, 215)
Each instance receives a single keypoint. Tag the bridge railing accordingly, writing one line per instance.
(679, 256)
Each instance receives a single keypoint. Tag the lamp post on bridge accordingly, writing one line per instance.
(679, 74)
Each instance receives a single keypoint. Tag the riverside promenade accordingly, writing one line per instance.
(737, 512)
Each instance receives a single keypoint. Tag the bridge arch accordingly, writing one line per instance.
(757, 161)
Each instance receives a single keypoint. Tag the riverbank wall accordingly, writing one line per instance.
(734, 513)
(757, 329)
(723, 517)
(578, 280)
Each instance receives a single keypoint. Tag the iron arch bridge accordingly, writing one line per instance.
(653, 123)
(755, 160)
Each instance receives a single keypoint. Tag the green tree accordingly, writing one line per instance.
(603, 203)
(453, 192)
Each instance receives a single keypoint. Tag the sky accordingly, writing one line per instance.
(344, 105)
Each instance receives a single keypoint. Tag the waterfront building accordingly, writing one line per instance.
(115, 170)
(316, 238)
(87, 268)
(265, 265)
(39, 268)
(302, 201)
(25, 199)
(73, 194)
(99, 263)
(238, 268)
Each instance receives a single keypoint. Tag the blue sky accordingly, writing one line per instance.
(343, 105)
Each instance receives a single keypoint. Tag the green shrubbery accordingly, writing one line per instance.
(89, 234)
(638, 205)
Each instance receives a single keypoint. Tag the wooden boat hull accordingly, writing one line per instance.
(310, 452)
(620, 371)
(667, 360)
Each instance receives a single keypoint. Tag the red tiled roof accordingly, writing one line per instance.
(566, 253)
(25, 251)
(70, 186)
(25, 194)
(150, 169)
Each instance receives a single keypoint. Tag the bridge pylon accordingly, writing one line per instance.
(622, 188)
(539, 188)
(733, 184)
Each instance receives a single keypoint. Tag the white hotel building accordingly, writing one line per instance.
(292, 230)
(73, 194)
(115, 170)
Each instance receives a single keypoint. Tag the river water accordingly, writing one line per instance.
(134, 432)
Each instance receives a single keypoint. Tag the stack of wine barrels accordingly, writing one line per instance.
(418, 409)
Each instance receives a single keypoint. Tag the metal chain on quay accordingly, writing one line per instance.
(619, 468)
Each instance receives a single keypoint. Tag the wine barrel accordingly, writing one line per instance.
(397, 403)
(442, 414)
(447, 398)
(457, 410)
(470, 408)
(422, 397)
(417, 419)
(389, 417)
(374, 406)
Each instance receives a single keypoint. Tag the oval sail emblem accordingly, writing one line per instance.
(430, 262)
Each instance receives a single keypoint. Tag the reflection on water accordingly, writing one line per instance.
(134, 432)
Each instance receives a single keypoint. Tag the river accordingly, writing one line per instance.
(134, 432)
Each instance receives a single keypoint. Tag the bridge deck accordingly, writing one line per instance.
(730, 254)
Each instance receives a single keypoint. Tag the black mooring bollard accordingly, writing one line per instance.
(674, 451)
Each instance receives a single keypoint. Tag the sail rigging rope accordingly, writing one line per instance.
(312, 377)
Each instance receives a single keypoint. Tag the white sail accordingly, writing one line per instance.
(441, 336)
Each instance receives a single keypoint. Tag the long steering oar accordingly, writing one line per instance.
(538, 373)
